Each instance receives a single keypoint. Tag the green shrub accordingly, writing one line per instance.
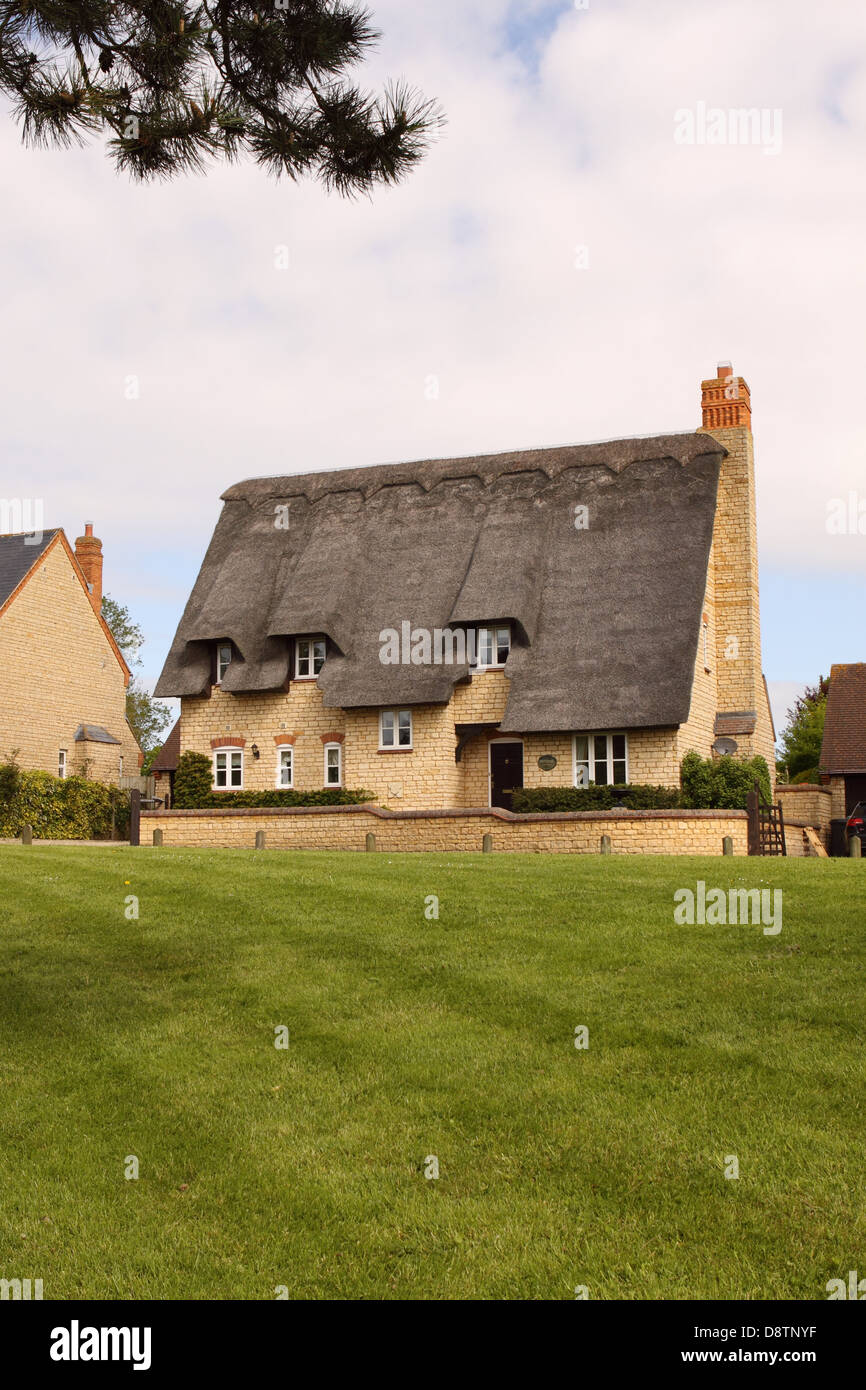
(636, 797)
(719, 784)
(60, 808)
(811, 774)
(192, 781)
(193, 791)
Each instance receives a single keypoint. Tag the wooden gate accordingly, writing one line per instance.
(766, 833)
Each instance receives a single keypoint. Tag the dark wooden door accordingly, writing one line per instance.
(506, 772)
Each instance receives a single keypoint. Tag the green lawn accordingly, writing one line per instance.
(410, 1037)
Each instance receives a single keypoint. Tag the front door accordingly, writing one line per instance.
(506, 772)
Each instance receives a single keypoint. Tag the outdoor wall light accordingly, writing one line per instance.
(255, 751)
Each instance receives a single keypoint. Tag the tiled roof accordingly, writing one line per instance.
(166, 758)
(18, 554)
(94, 733)
(729, 723)
(844, 746)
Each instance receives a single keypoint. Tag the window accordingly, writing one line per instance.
(395, 728)
(61, 763)
(224, 656)
(600, 758)
(120, 766)
(333, 765)
(705, 635)
(285, 766)
(494, 644)
(228, 768)
(309, 657)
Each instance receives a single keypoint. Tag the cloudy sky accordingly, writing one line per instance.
(458, 314)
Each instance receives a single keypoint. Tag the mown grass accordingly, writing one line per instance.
(411, 1037)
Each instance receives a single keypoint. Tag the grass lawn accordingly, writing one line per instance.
(409, 1037)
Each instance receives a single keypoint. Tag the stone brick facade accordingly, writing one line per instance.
(59, 669)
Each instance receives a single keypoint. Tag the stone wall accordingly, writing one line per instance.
(805, 804)
(346, 828)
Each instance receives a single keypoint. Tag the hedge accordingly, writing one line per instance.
(637, 797)
(193, 791)
(59, 808)
(722, 783)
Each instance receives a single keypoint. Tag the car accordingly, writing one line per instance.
(856, 823)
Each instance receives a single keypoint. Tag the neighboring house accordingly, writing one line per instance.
(843, 750)
(610, 592)
(63, 678)
(164, 766)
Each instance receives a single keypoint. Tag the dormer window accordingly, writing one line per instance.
(309, 657)
(493, 647)
(224, 656)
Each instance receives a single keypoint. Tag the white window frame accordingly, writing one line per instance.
(120, 765)
(228, 754)
(310, 658)
(491, 634)
(281, 749)
(220, 668)
(590, 761)
(62, 762)
(329, 748)
(396, 745)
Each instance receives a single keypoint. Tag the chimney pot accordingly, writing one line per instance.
(724, 369)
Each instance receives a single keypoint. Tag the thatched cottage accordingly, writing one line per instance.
(443, 632)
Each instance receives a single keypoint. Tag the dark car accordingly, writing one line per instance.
(856, 822)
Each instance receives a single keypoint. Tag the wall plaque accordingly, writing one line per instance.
(547, 762)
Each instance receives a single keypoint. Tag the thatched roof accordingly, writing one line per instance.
(606, 619)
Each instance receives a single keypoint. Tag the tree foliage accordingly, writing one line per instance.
(180, 84)
(800, 744)
(146, 716)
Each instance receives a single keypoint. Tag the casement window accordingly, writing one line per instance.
(309, 657)
(224, 656)
(333, 765)
(600, 758)
(228, 769)
(395, 728)
(286, 766)
(493, 646)
(120, 766)
(61, 763)
(705, 638)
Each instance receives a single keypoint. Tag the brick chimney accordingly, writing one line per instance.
(88, 553)
(732, 599)
(725, 400)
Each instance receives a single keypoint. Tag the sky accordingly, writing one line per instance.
(567, 264)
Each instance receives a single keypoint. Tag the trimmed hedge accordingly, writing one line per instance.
(721, 784)
(637, 797)
(59, 808)
(193, 791)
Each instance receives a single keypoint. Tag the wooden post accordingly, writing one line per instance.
(754, 833)
(728, 844)
(487, 844)
(370, 845)
(27, 834)
(157, 838)
(260, 839)
(135, 816)
(855, 848)
(606, 845)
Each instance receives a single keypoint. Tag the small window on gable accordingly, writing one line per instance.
(61, 763)
(228, 769)
(493, 646)
(224, 656)
(285, 766)
(333, 764)
(310, 655)
(395, 728)
(601, 759)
